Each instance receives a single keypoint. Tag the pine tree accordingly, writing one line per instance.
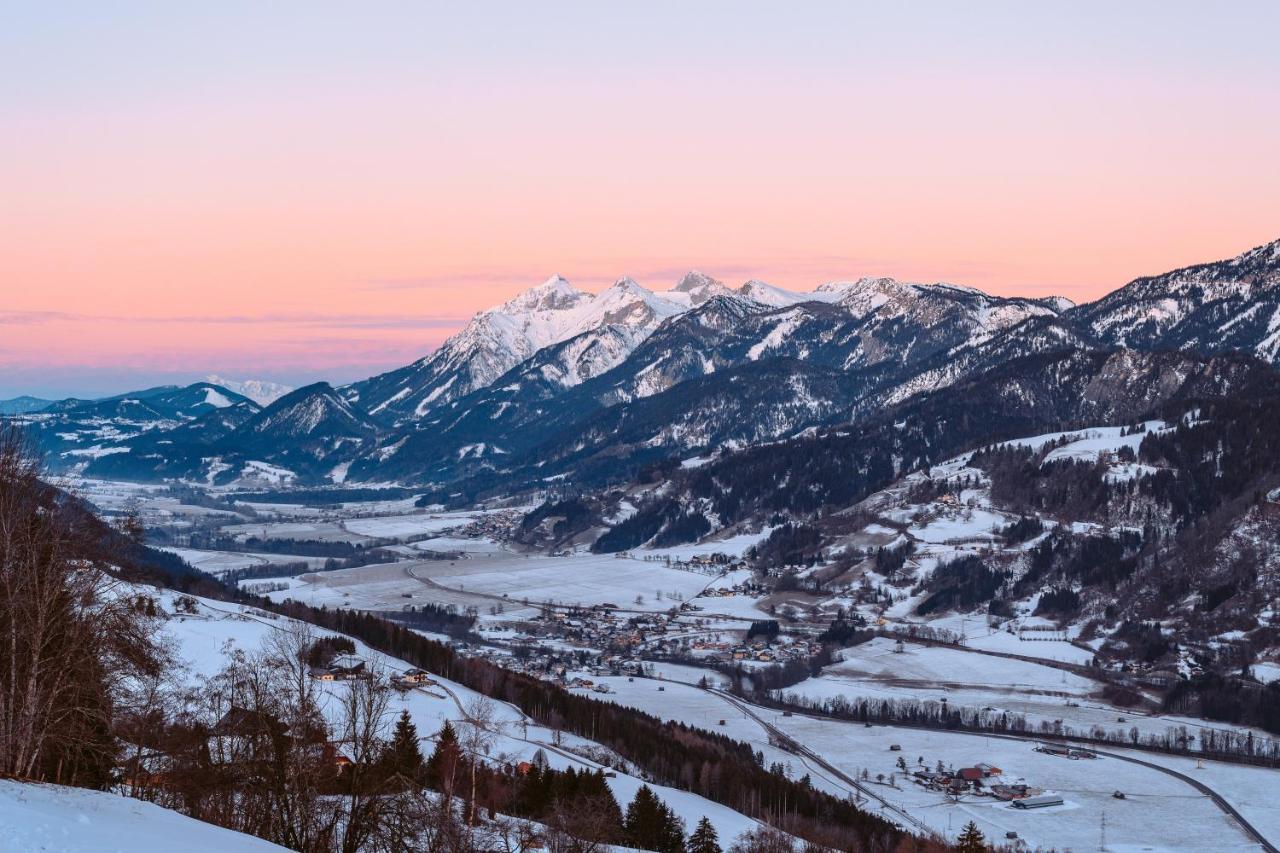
(643, 822)
(403, 753)
(672, 838)
(704, 838)
(650, 825)
(443, 763)
(971, 840)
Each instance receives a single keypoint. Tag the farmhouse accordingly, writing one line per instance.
(1009, 793)
(343, 668)
(413, 678)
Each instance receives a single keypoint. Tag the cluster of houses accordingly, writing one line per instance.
(984, 780)
(353, 667)
(587, 684)
(499, 526)
(747, 587)
(661, 635)
(778, 651)
(977, 778)
(601, 628)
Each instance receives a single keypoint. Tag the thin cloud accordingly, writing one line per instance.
(445, 281)
(332, 321)
(31, 318)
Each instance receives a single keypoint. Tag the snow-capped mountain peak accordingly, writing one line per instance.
(866, 294)
(606, 327)
(260, 391)
(695, 280)
(777, 297)
(695, 288)
(554, 294)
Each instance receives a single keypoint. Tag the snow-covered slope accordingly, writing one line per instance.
(55, 819)
(1231, 304)
(777, 297)
(498, 339)
(206, 639)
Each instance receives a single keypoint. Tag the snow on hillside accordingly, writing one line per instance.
(206, 639)
(35, 818)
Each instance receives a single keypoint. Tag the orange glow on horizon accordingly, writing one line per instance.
(345, 213)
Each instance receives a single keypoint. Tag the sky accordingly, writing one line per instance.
(297, 191)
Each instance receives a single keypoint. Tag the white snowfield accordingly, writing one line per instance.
(488, 576)
(880, 659)
(220, 562)
(38, 818)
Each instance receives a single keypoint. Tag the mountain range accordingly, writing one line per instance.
(558, 383)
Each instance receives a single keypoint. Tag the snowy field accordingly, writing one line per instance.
(679, 702)
(323, 531)
(577, 579)
(403, 526)
(918, 665)
(220, 562)
(55, 819)
(978, 635)
(733, 545)
(485, 579)
(1160, 813)
(976, 682)
(457, 543)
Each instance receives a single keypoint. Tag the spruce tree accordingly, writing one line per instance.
(672, 837)
(443, 762)
(704, 838)
(644, 819)
(971, 840)
(651, 825)
(403, 753)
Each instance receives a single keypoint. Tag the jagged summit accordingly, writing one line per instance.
(693, 280)
(554, 294)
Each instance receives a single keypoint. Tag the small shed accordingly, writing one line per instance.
(1041, 802)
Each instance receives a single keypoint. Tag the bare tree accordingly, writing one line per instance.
(69, 633)
(478, 729)
(361, 727)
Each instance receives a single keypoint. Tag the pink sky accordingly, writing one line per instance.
(322, 197)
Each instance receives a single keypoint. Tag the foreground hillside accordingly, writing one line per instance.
(41, 818)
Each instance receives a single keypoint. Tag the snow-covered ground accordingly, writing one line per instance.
(1159, 813)
(488, 577)
(326, 531)
(879, 659)
(221, 562)
(978, 635)
(55, 819)
(400, 526)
